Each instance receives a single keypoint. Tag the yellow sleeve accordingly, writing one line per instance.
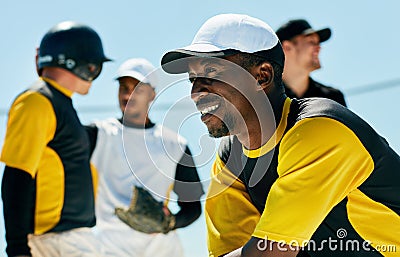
(95, 178)
(31, 125)
(320, 162)
(230, 215)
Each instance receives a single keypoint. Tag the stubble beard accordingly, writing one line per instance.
(223, 130)
(316, 64)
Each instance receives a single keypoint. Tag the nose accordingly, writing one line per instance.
(125, 95)
(199, 90)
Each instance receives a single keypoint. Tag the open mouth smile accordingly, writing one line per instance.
(209, 109)
(208, 105)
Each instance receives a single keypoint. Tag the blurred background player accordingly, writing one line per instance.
(301, 45)
(47, 186)
(134, 151)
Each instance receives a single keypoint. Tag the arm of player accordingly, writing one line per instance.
(256, 247)
(26, 137)
(92, 132)
(189, 212)
(18, 190)
(189, 190)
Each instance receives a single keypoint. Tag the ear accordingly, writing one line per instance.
(265, 78)
(287, 45)
(152, 94)
(37, 62)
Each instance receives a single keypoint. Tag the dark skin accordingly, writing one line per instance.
(239, 94)
(134, 101)
(228, 93)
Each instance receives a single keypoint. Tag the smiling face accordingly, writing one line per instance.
(305, 52)
(134, 99)
(218, 89)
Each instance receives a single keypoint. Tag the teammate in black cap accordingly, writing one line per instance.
(301, 44)
(47, 187)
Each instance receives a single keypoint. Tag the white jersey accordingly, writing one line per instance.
(125, 157)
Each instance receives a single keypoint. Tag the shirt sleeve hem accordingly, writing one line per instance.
(19, 166)
(221, 251)
(289, 240)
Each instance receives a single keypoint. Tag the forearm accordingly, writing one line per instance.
(256, 247)
(92, 132)
(236, 253)
(188, 213)
(18, 190)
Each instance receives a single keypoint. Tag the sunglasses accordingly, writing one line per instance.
(88, 71)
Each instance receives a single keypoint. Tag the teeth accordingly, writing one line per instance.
(209, 109)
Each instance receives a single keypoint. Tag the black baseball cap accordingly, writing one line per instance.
(297, 27)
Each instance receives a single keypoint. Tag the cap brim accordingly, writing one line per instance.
(324, 34)
(175, 62)
(170, 63)
(106, 59)
(132, 74)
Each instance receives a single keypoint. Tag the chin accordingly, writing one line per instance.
(221, 128)
(221, 131)
(83, 92)
(316, 65)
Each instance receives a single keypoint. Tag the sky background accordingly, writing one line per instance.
(363, 52)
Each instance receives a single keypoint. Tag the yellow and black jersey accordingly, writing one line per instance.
(326, 180)
(46, 141)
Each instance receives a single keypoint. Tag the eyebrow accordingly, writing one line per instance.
(211, 60)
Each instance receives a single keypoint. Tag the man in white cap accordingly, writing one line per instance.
(317, 179)
(133, 151)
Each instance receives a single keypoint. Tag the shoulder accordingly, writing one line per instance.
(320, 121)
(37, 93)
(108, 126)
(319, 107)
(316, 138)
(31, 102)
(316, 129)
(31, 97)
(324, 89)
(168, 135)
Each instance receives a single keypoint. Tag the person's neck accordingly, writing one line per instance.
(62, 77)
(263, 123)
(297, 81)
(137, 123)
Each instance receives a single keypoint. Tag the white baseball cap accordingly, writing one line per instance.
(138, 68)
(227, 34)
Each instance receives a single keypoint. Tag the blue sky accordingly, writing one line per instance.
(362, 51)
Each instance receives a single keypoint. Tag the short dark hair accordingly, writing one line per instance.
(248, 61)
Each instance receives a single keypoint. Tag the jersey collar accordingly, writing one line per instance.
(276, 137)
(58, 87)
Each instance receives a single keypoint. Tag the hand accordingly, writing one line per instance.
(146, 214)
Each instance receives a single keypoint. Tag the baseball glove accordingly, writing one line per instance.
(146, 214)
